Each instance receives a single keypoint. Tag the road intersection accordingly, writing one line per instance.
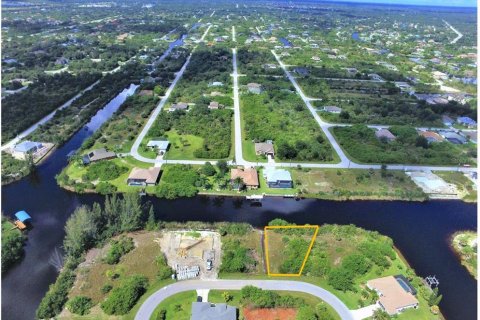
(344, 163)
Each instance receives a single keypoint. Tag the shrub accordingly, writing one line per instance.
(79, 305)
(164, 270)
(106, 288)
(104, 170)
(161, 314)
(123, 298)
(118, 249)
(105, 188)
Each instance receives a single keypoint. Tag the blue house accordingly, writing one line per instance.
(466, 121)
(278, 178)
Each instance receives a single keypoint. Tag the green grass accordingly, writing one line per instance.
(216, 296)
(182, 146)
(355, 184)
(178, 306)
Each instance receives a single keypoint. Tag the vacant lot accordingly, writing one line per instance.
(355, 184)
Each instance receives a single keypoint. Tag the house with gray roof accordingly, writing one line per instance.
(278, 178)
(332, 109)
(210, 311)
(384, 134)
(25, 148)
(160, 145)
(97, 155)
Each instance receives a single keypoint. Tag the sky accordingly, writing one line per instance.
(449, 3)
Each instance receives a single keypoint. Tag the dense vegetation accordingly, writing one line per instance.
(12, 244)
(361, 144)
(69, 120)
(104, 170)
(86, 228)
(118, 248)
(178, 181)
(46, 94)
(123, 298)
(79, 305)
(279, 115)
(236, 257)
(214, 126)
(13, 169)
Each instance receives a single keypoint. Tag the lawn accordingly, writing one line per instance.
(362, 184)
(178, 306)
(183, 146)
(75, 171)
(216, 296)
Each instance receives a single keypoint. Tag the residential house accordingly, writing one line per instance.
(122, 37)
(470, 135)
(143, 177)
(24, 149)
(375, 77)
(146, 93)
(61, 61)
(264, 148)
(97, 155)
(255, 88)
(270, 66)
(385, 134)
(395, 294)
(178, 106)
(301, 71)
(467, 122)
(215, 105)
(278, 178)
(453, 137)
(446, 120)
(437, 100)
(249, 177)
(332, 109)
(316, 58)
(351, 71)
(431, 136)
(160, 145)
(209, 311)
(215, 84)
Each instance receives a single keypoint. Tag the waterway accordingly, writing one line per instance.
(420, 230)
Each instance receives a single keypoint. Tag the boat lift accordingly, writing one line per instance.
(22, 218)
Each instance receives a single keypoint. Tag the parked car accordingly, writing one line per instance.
(209, 265)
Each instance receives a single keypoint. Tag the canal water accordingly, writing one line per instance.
(420, 230)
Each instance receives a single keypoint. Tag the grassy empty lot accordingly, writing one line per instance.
(355, 184)
(182, 146)
(287, 249)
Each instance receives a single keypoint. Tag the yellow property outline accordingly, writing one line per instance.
(266, 228)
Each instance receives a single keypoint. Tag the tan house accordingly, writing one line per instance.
(143, 177)
(249, 177)
(264, 148)
(395, 294)
(214, 105)
(431, 136)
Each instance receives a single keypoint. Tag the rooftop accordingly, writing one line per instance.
(248, 175)
(150, 175)
(393, 296)
(209, 311)
(26, 146)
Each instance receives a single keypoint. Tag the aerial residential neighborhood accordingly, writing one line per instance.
(239, 160)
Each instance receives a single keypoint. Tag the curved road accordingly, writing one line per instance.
(149, 305)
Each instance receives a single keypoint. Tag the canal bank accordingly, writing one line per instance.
(420, 231)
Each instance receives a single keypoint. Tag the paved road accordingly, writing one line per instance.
(459, 34)
(156, 112)
(147, 308)
(239, 160)
(49, 116)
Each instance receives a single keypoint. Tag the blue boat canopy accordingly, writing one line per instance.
(22, 216)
